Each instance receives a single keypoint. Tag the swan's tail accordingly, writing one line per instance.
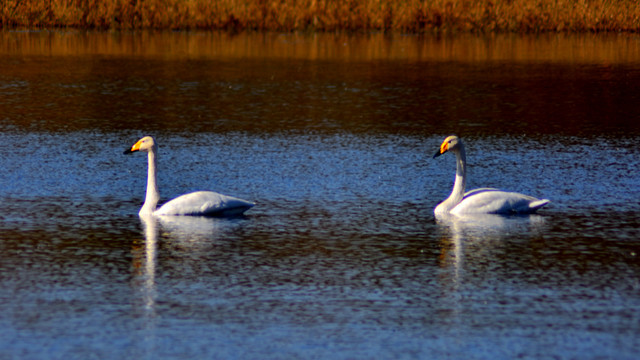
(535, 205)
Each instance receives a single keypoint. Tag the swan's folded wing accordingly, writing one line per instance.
(205, 203)
(492, 201)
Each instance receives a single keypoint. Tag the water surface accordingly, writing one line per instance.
(332, 137)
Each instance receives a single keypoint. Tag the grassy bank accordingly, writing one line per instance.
(328, 15)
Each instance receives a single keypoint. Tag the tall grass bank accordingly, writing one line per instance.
(410, 16)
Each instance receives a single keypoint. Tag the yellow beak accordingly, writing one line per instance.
(135, 147)
(444, 147)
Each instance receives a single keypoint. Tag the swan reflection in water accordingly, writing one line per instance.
(180, 232)
(144, 264)
(192, 230)
(484, 235)
(474, 249)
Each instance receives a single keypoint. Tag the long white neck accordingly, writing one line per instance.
(461, 175)
(153, 195)
(459, 184)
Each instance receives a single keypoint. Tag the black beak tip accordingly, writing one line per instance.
(437, 154)
(127, 152)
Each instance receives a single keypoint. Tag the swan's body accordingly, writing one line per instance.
(484, 200)
(199, 203)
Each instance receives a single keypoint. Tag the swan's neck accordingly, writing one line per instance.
(153, 196)
(459, 184)
(461, 175)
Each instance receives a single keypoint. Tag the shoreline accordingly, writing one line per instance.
(438, 16)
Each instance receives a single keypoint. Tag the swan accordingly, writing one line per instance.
(483, 200)
(199, 203)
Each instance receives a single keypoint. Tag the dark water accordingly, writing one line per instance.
(332, 136)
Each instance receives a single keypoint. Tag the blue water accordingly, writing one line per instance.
(342, 257)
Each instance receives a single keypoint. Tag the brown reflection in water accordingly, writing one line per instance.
(262, 83)
(603, 49)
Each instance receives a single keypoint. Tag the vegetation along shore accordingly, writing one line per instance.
(410, 16)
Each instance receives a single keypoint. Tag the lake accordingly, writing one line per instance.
(332, 136)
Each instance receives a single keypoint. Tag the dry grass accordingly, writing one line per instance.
(328, 15)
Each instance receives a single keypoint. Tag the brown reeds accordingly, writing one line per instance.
(328, 15)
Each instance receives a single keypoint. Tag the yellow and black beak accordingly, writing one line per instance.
(134, 148)
(443, 149)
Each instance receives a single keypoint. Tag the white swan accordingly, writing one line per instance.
(199, 203)
(484, 200)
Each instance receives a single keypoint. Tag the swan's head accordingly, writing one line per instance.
(145, 144)
(451, 143)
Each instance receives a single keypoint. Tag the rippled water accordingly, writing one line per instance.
(342, 257)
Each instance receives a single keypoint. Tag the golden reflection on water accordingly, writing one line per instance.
(589, 48)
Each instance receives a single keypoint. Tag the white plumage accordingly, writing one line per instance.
(483, 200)
(204, 203)
(199, 203)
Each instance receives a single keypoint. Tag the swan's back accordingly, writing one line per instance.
(205, 203)
(494, 201)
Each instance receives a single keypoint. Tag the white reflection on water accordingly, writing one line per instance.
(148, 283)
(481, 224)
(190, 229)
(145, 281)
(481, 230)
(472, 256)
